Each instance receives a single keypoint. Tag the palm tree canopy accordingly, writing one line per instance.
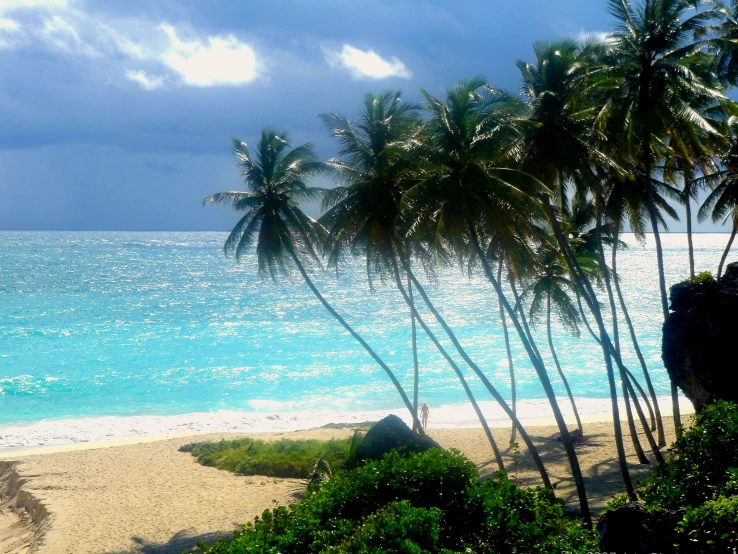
(561, 144)
(373, 175)
(276, 181)
(658, 65)
(462, 174)
(551, 279)
(722, 202)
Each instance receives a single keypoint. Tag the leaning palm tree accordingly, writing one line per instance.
(653, 53)
(722, 203)
(276, 180)
(625, 205)
(551, 291)
(362, 210)
(463, 188)
(558, 149)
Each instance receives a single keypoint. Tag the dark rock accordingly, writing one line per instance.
(386, 435)
(632, 529)
(698, 346)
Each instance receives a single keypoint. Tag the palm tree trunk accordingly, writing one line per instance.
(558, 365)
(659, 421)
(631, 381)
(414, 337)
(727, 248)
(664, 298)
(591, 299)
(690, 246)
(459, 374)
(615, 334)
(631, 377)
(545, 381)
(521, 315)
(361, 341)
(492, 390)
(505, 333)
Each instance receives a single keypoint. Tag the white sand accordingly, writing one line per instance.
(119, 497)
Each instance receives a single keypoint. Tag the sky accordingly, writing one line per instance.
(119, 115)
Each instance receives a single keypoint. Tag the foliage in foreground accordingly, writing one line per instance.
(701, 476)
(703, 463)
(421, 503)
(283, 458)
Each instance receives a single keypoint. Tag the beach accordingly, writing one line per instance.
(142, 495)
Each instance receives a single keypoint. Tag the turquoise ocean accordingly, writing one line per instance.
(100, 325)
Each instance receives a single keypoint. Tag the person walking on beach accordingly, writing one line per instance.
(424, 411)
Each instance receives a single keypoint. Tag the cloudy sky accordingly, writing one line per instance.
(118, 115)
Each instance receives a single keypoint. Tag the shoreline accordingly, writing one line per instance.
(84, 433)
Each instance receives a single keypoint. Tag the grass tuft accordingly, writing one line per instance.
(283, 458)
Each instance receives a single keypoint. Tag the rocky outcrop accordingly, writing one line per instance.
(389, 434)
(699, 338)
(634, 530)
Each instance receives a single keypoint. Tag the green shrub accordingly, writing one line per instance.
(282, 458)
(702, 278)
(703, 463)
(398, 528)
(429, 502)
(713, 527)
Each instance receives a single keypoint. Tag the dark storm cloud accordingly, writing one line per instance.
(116, 115)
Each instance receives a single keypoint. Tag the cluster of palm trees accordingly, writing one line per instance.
(532, 191)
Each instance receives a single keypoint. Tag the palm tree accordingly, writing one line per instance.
(361, 211)
(548, 292)
(508, 351)
(722, 203)
(653, 57)
(558, 149)
(276, 181)
(462, 191)
(696, 171)
(363, 208)
(626, 204)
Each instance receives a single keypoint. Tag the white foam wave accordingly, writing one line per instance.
(97, 429)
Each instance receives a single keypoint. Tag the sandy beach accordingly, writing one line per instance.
(144, 496)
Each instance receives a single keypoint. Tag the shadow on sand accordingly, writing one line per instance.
(601, 476)
(182, 541)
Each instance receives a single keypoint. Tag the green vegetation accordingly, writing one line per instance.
(283, 458)
(703, 464)
(700, 476)
(713, 527)
(703, 278)
(416, 504)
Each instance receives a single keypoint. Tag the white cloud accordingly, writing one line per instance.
(366, 64)
(149, 82)
(10, 33)
(220, 60)
(8, 5)
(60, 34)
(163, 53)
(9, 25)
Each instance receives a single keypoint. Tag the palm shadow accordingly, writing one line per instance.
(182, 541)
(600, 478)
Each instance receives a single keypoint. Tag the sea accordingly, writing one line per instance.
(109, 335)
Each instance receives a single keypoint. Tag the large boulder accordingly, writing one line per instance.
(698, 348)
(389, 434)
(633, 530)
